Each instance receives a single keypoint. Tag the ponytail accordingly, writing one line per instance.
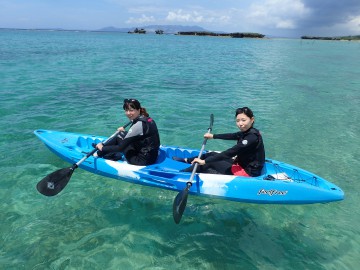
(144, 112)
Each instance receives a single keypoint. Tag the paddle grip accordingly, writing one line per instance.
(95, 149)
(115, 134)
(209, 130)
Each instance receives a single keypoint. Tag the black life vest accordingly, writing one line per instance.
(252, 162)
(149, 144)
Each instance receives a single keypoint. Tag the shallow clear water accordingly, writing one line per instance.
(305, 95)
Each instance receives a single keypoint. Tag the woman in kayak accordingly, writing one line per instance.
(246, 158)
(140, 145)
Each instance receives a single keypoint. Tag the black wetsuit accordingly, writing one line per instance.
(249, 153)
(140, 144)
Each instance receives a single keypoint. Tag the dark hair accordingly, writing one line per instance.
(134, 104)
(245, 110)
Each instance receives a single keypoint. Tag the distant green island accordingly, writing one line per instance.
(348, 38)
(202, 33)
(232, 35)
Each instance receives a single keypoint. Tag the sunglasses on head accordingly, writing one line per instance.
(242, 110)
(130, 100)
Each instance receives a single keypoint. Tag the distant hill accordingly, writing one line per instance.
(168, 29)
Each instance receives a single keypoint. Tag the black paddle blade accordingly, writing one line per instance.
(55, 182)
(180, 204)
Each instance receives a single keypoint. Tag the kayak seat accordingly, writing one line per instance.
(172, 151)
(164, 162)
(85, 142)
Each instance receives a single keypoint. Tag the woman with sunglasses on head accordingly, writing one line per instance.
(246, 158)
(140, 145)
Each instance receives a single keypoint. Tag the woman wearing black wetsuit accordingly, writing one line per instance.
(246, 158)
(140, 144)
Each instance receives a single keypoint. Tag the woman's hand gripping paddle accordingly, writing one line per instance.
(181, 199)
(55, 182)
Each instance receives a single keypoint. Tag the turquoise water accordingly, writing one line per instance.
(305, 95)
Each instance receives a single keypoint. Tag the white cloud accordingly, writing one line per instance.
(210, 19)
(180, 16)
(281, 14)
(145, 9)
(285, 24)
(354, 25)
(141, 20)
(202, 16)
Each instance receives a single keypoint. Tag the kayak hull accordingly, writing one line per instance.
(280, 183)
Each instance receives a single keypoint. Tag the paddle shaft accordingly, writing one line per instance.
(201, 150)
(94, 150)
(199, 156)
(180, 200)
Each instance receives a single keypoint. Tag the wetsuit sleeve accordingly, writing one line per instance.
(134, 134)
(227, 136)
(249, 143)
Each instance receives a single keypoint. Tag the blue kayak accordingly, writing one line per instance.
(280, 183)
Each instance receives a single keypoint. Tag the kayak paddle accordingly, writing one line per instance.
(56, 181)
(181, 199)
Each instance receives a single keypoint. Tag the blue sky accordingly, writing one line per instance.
(292, 18)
